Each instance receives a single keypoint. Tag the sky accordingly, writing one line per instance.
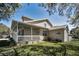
(33, 11)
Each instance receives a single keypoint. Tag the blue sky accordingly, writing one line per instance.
(35, 12)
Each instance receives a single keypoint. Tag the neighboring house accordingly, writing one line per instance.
(29, 30)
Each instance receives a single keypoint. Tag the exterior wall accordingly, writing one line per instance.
(57, 34)
(66, 37)
(43, 24)
(70, 38)
(41, 35)
(41, 38)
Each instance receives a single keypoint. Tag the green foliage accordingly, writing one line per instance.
(70, 10)
(72, 48)
(35, 50)
(75, 32)
(7, 9)
(8, 53)
(4, 43)
(4, 29)
(65, 49)
(12, 42)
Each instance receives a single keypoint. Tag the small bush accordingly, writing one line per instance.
(4, 43)
(8, 53)
(34, 50)
(9, 42)
(12, 42)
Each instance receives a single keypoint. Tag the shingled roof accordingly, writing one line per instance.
(39, 21)
(32, 21)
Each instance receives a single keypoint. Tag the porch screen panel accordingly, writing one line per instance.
(24, 29)
(36, 31)
(27, 31)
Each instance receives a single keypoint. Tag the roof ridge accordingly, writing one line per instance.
(33, 19)
(26, 17)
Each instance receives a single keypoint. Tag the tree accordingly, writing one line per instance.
(7, 9)
(70, 10)
(75, 32)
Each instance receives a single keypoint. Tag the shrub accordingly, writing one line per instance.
(9, 42)
(8, 53)
(4, 43)
(12, 42)
(34, 50)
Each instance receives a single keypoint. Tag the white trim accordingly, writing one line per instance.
(33, 37)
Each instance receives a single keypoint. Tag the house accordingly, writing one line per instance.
(29, 30)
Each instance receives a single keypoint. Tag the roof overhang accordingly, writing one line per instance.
(64, 27)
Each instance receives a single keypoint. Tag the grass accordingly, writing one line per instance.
(45, 43)
(73, 43)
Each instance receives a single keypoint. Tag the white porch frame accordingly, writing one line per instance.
(40, 36)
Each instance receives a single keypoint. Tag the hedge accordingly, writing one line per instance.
(33, 50)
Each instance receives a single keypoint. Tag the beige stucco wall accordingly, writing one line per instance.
(42, 24)
(57, 34)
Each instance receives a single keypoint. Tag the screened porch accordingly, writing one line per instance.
(24, 32)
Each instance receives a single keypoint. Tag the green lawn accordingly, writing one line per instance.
(45, 43)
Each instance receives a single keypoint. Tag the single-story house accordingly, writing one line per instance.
(29, 30)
